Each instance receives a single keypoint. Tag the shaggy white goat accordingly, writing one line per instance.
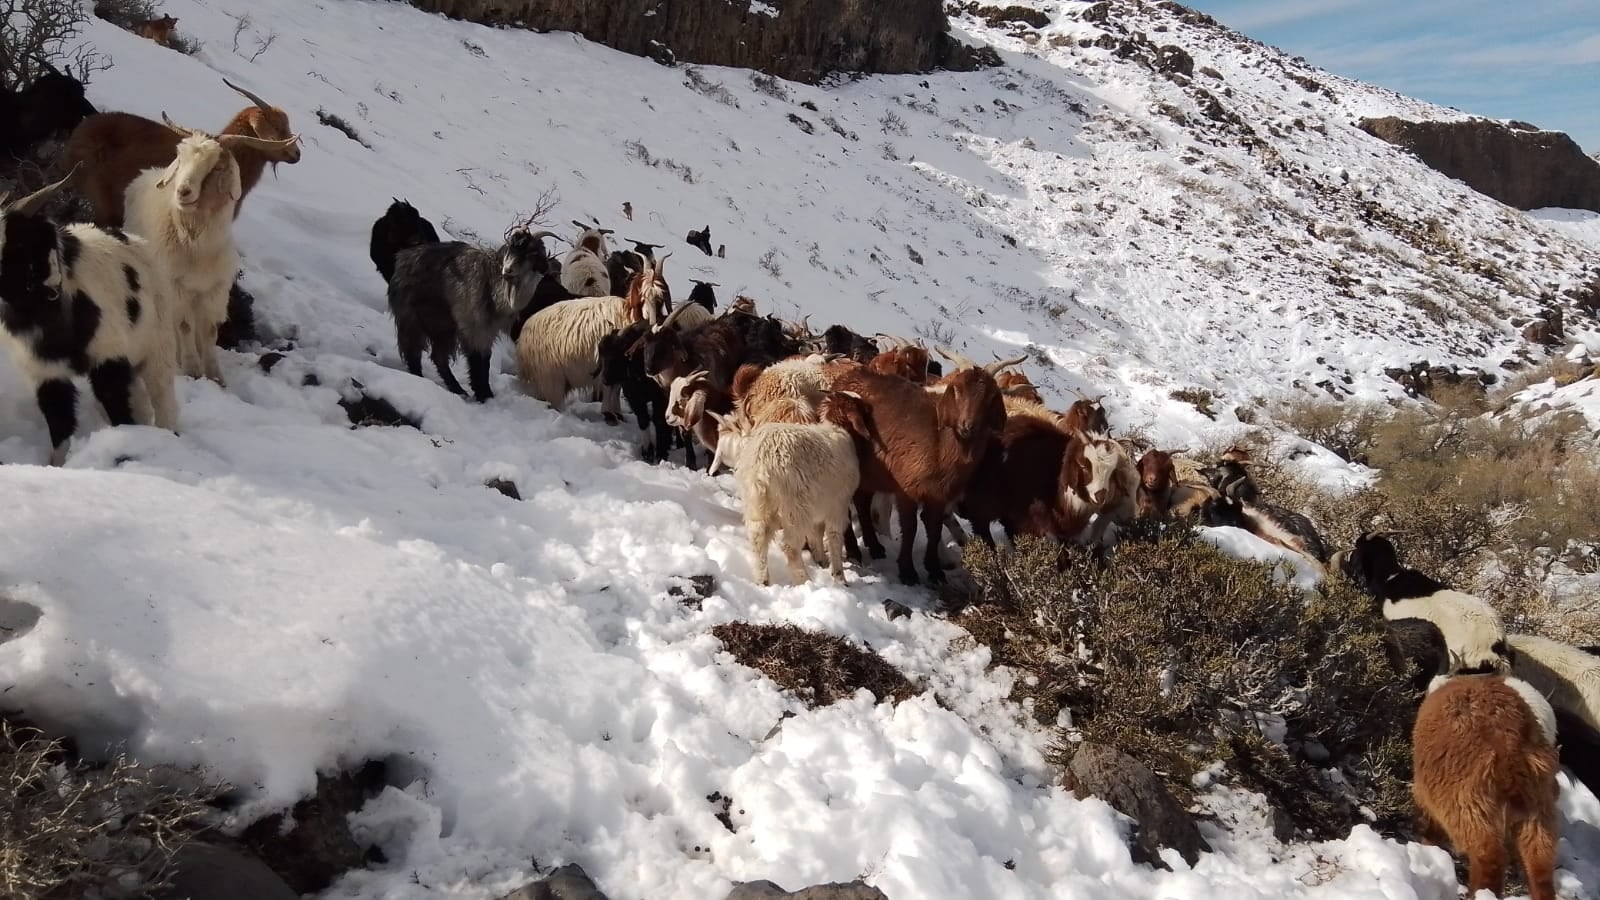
(1561, 672)
(583, 269)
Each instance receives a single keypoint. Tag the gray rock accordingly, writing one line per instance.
(766, 890)
(569, 882)
(1135, 791)
(212, 872)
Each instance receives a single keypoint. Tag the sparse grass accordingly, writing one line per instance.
(1182, 656)
(820, 669)
(1200, 398)
(639, 151)
(891, 123)
(74, 830)
(769, 85)
(338, 123)
(695, 80)
(769, 262)
(127, 13)
(184, 44)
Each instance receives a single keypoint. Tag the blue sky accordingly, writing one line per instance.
(1535, 60)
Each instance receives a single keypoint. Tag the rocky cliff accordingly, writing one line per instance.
(1518, 164)
(801, 40)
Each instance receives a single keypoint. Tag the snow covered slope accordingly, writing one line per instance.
(274, 592)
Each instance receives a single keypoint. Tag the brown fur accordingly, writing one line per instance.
(910, 363)
(716, 400)
(1157, 477)
(922, 447)
(158, 30)
(718, 347)
(112, 149)
(633, 302)
(1087, 416)
(1016, 384)
(1485, 778)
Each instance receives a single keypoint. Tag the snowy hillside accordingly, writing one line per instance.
(273, 592)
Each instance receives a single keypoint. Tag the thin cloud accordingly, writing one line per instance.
(1279, 14)
(1583, 52)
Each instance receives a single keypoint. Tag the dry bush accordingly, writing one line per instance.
(818, 668)
(73, 830)
(33, 32)
(1180, 656)
(125, 14)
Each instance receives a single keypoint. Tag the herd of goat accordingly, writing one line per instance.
(819, 428)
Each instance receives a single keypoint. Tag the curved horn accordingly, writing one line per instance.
(1000, 365)
(27, 205)
(661, 265)
(671, 316)
(254, 143)
(186, 132)
(253, 98)
(539, 235)
(955, 357)
(580, 225)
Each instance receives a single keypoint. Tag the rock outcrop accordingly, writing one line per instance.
(801, 40)
(1135, 791)
(1519, 166)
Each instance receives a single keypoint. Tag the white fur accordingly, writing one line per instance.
(1470, 626)
(1569, 677)
(583, 272)
(558, 350)
(1113, 487)
(1537, 704)
(791, 388)
(195, 240)
(799, 479)
(148, 344)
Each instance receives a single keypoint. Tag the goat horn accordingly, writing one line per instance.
(603, 230)
(254, 143)
(1017, 390)
(580, 225)
(26, 205)
(1000, 365)
(540, 235)
(1179, 452)
(253, 98)
(955, 357)
(671, 317)
(186, 132)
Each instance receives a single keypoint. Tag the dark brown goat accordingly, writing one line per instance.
(111, 149)
(921, 447)
(1087, 416)
(909, 362)
(716, 348)
(1039, 479)
(1016, 384)
(1157, 478)
(689, 400)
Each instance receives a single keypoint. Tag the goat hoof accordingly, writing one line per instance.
(878, 552)
(909, 577)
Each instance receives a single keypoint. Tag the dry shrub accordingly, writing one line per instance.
(74, 830)
(1497, 505)
(1180, 656)
(818, 668)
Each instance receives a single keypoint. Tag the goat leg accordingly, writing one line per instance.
(869, 534)
(112, 382)
(58, 401)
(908, 537)
(478, 376)
(848, 536)
(442, 354)
(933, 523)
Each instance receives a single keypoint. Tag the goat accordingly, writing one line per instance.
(1567, 676)
(51, 104)
(690, 400)
(115, 148)
(623, 265)
(1016, 384)
(77, 300)
(650, 300)
(583, 269)
(921, 447)
(795, 478)
(1273, 524)
(700, 240)
(704, 295)
(452, 295)
(1417, 650)
(627, 210)
(791, 390)
(718, 347)
(186, 211)
(400, 226)
(903, 359)
(1158, 478)
(158, 30)
(844, 342)
(1040, 479)
(1229, 476)
(622, 371)
(1484, 777)
(1473, 632)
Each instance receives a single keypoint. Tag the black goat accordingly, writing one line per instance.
(53, 104)
(704, 295)
(842, 341)
(644, 396)
(700, 240)
(766, 340)
(1231, 480)
(454, 296)
(401, 226)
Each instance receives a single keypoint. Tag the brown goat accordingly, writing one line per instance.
(1087, 416)
(922, 447)
(1043, 480)
(646, 293)
(908, 361)
(1484, 777)
(1016, 384)
(1157, 478)
(158, 30)
(689, 400)
(111, 149)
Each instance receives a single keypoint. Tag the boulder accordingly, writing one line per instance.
(766, 890)
(1135, 791)
(215, 872)
(569, 882)
(319, 848)
(1527, 169)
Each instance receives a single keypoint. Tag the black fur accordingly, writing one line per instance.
(547, 294)
(115, 232)
(134, 310)
(53, 104)
(132, 275)
(71, 250)
(58, 401)
(644, 396)
(112, 382)
(844, 342)
(1579, 748)
(1231, 480)
(1416, 649)
(401, 226)
(700, 240)
(704, 295)
(1374, 565)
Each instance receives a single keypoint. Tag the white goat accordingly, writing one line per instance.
(583, 269)
(798, 479)
(79, 300)
(558, 349)
(186, 211)
(1569, 677)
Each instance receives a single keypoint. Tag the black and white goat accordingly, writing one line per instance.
(1473, 632)
(648, 401)
(453, 295)
(704, 295)
(583, 269)
(401, 226)
(78, 300)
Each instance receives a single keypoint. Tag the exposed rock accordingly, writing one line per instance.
(366, 410)
(509, 488)
(1100, 12)
(692, 591)
(998, 17)
(1524, 169)
(1172, 59)
(766, 890)
(319, 848)
(806, 41)
(240, 326)
(1135, 791)
(569, 882)
(211, 872)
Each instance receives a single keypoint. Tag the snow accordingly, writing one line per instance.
(273, 593)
